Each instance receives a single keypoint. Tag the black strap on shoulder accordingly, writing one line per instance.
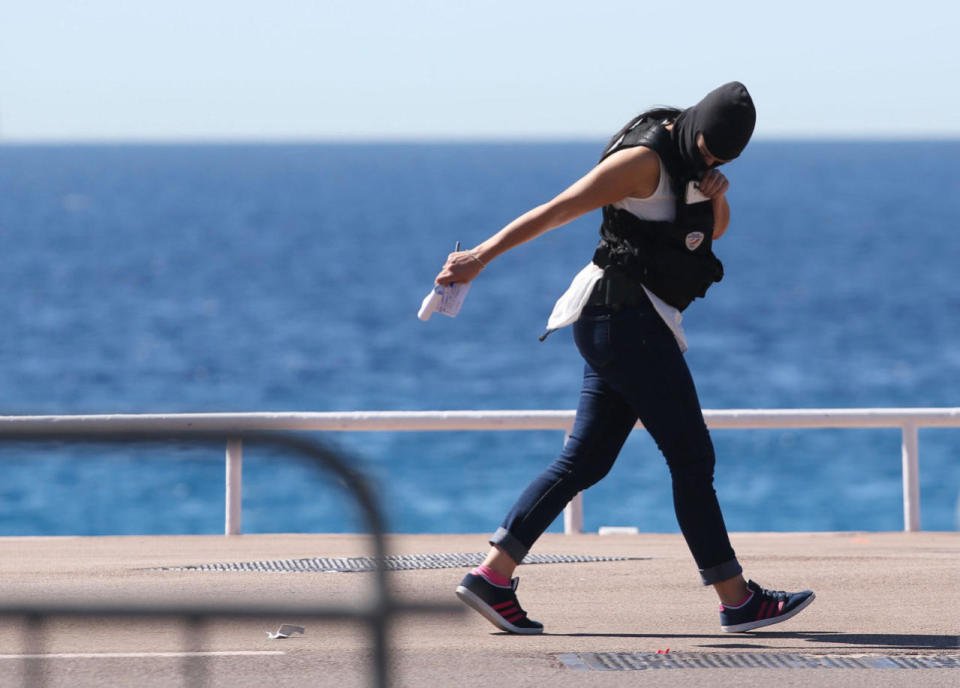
(653, 135)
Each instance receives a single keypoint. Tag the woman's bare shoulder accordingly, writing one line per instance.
(640, 164)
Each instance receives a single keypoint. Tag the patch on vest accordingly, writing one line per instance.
(693, 240)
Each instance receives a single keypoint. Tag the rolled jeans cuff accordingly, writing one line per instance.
(509, 544)
(721, 572)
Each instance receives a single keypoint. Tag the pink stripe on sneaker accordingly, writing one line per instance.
(515, 617)
(503, 605)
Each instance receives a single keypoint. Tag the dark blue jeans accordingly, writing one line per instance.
(634, 369)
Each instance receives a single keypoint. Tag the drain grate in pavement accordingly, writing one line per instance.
(639, 661)
(394, 563)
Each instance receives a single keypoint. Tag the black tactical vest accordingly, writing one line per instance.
(675, 259)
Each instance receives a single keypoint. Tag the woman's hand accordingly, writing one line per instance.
(461, 266)
(714, 184)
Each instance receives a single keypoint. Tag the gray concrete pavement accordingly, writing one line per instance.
(877, 594)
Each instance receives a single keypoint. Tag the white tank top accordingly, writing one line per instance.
(660, 206)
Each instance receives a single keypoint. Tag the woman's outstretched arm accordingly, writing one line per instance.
(633, 172)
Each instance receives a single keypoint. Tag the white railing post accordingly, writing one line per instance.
(573, 516)
(911, 478)
(573, 512)
(234, 492)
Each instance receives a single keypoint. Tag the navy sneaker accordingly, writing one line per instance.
(765, 607)
(498, 604)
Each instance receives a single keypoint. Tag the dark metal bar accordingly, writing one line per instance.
(376, 615)
(194, 666)
(34, 671)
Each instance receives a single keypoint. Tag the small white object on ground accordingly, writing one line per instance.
(618, 530)
(285, 631)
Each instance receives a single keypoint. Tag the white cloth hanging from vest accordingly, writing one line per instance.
(570, 305)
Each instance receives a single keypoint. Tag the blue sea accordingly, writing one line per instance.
(211, 278)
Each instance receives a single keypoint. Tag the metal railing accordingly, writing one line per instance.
(234, 425)
(377, 612)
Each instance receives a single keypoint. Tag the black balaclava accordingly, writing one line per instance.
(725, 117)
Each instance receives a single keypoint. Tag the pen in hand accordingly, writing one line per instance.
(456, 249)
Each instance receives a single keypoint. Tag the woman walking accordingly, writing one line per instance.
(664, 202)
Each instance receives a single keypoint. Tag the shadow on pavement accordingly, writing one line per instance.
(886, 641)
(876, 641)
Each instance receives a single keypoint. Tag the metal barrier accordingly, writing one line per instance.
(234, 425)
(377, 614)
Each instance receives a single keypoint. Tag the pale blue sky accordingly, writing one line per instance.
(425, 69)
